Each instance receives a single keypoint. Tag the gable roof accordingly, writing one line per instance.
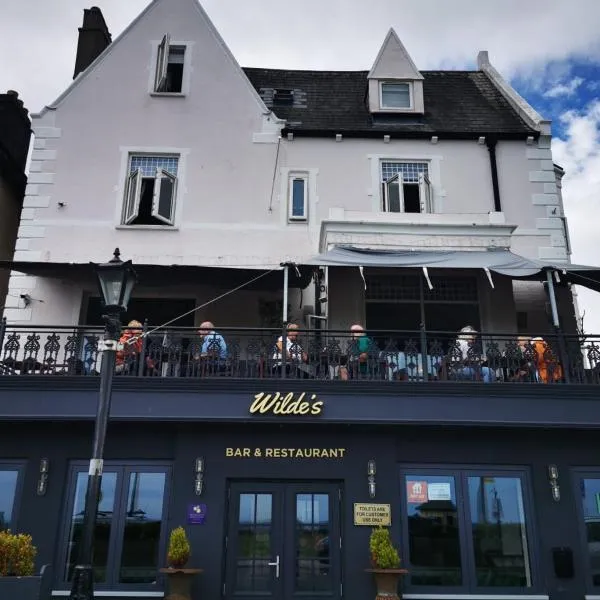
(393, 61)
(141, 16)
(458, 104)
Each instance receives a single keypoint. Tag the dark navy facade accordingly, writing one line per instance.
(482, 452)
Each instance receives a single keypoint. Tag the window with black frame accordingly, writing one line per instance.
(467, 530)
(130, 524)
(9, 483)
(589, 489)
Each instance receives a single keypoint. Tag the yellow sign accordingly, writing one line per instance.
(372, 514)
(285, 452)
(288, 404)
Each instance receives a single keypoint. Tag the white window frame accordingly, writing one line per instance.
(425, 193)
(291, 178)
(133, 192)
(162, 62)
(159, 61)
(399, 108)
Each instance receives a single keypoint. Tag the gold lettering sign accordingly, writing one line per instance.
(288, 404)
(372, 514)
(285, 452)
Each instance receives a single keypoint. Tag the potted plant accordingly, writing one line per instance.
(17, 556)
(178, 555)
(385, 564)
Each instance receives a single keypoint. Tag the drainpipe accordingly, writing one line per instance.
(491, 146)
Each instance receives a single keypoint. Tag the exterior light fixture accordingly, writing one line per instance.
(553, 479)
(42, 484)
(371, 470)
(116, 280)
(199, 482)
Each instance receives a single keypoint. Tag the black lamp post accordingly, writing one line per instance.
(116, 280)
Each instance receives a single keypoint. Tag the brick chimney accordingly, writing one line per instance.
(15, 133)
(94, 38)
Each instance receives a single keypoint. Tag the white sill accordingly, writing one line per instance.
(168, 94)
(396, 110)
(114, 594)
(147, 227)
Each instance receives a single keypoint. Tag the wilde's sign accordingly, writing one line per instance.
(286, 404)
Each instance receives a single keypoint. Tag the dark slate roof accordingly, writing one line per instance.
(458, 104)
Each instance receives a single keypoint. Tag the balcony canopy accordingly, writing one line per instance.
(501, 261)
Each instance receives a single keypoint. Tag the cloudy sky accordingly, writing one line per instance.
(549, 49)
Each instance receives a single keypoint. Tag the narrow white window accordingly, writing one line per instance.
(298, 197)
(169, 67)
(395, 95)
(151, 190)
(406, 187)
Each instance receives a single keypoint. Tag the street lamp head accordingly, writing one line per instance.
(116, 280)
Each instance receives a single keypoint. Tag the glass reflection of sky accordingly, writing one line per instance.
(496, 500)
(145, 496)
(591, 498)
(107, 494)
(8, 488)
(255, 508)
(312, 508)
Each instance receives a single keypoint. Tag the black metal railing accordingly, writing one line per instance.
(247, 353)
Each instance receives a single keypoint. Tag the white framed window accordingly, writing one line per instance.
(150, 190)
(170, 61)
(298, 197)
(395, 94)
(406, 187)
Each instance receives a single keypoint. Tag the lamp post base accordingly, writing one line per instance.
(83, 583)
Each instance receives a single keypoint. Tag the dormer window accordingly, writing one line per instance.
(395, 95)
(395, 84)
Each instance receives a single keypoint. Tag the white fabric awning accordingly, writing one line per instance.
(500, 261)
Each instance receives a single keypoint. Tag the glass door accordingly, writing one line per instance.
(283, 541)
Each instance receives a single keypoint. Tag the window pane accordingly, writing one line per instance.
(253, 573)
(393, 190)
(395, 95)
(165, 200)
(143, 522)
(298, 198)
(498, 529)
(8, 489)
(433, 535)
(590, 497)
(104, 518)
(313, 558)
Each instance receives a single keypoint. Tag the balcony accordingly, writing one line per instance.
(389, 357)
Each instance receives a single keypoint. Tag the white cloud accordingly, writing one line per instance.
(578, 152)
(335, 34)
(564, 89)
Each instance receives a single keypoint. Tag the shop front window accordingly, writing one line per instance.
(9, 479)
(433, 530)
(590, 502)
(130, 529)
(466, 530)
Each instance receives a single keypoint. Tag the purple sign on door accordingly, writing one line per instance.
(196, 514)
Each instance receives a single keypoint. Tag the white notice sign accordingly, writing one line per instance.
(439, 491)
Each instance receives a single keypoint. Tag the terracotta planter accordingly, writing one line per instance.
(180, 583)
(386, 581)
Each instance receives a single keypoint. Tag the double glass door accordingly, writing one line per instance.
(283, 541)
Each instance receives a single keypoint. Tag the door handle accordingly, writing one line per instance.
(276, 565)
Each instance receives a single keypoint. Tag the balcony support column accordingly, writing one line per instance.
(562, 347)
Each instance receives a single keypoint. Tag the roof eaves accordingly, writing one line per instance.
(447, 135)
